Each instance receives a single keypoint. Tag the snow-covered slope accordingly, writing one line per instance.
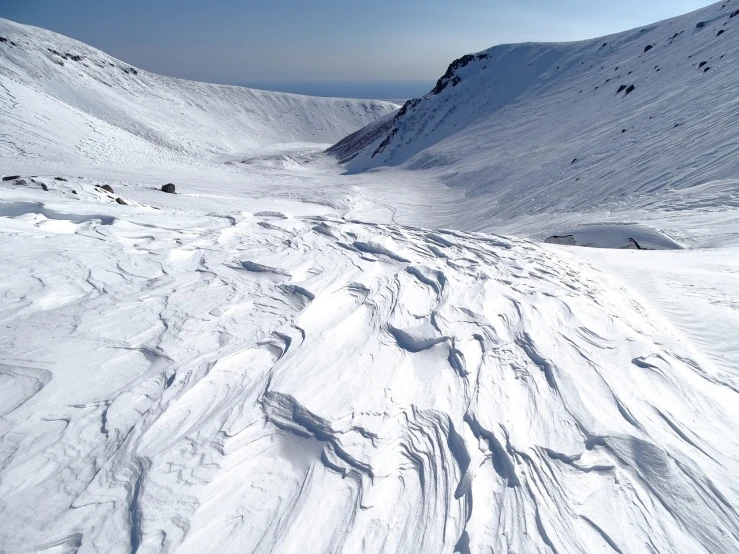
(267, 362)
(537, 127)
(61, 98)
(265, 383)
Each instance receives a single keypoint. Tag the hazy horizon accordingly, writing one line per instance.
(371, 90)
(329, 41)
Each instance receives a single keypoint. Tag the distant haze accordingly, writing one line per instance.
(334, 41)
(378, 90)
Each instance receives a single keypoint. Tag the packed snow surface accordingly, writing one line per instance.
(612, 235)
(286, 357)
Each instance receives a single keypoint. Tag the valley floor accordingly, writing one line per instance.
(283, 358)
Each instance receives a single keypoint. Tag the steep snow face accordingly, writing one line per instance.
(275, 383)
(99, 104)
(537, 127)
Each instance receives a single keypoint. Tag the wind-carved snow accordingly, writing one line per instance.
(199, 383)
(245, 366)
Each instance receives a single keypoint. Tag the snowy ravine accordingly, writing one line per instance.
(311, 384)
(286, 357)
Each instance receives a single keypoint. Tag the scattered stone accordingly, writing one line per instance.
(11, 177)
(3, 39)
(121, 201)
(623, 131)
(621, 89)
(700, 25)
(20, 182)
(74, 191)
(702, 64)
(60, 179)
(648, 47)
(44, 187)
(630, 89)
(734, 14)
(706, 69)
(169, 187)
(573, 161)
(108, 188)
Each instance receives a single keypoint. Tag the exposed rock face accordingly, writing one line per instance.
(169, 187)
(450, 75)
(568, 240)
(121, 201)
(11, 177)
(350, 146)
(108, 188)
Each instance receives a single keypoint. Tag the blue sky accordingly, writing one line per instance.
(332, 40)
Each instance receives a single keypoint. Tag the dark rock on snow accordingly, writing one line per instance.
(107, 188)
(169, 187)
(11, 177)
(121, 201)
(648, 47)
(59, 179)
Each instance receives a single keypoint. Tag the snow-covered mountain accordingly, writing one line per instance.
(103, 109)
(266, 361)
(536, 127)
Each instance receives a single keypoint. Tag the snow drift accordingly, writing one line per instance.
(267, 362)
(306, 384)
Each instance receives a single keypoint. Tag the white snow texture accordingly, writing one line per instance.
(410, 351)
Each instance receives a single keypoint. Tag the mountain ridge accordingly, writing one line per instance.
(597, 119)
(82, 87)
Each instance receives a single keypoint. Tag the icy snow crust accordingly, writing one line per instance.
(282, 358)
